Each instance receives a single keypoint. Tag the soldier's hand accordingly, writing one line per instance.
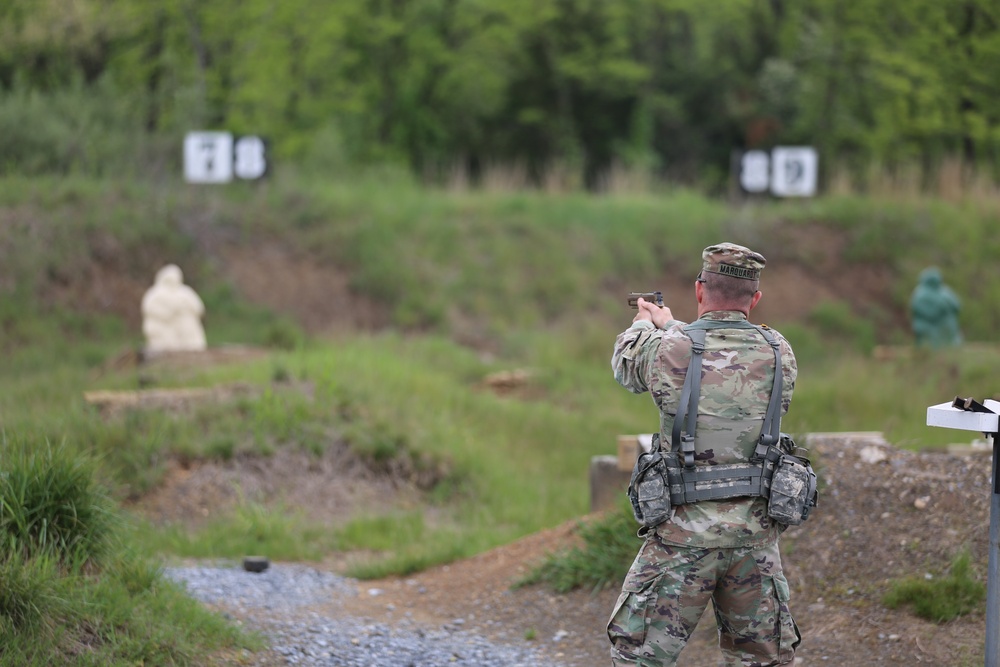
(650, 312)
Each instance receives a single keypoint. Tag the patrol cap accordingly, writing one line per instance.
(729, 259)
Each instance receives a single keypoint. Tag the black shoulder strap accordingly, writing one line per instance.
(688, 405)
(770, 430)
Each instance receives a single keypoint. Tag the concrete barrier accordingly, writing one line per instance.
(609, 475)
(608, 482)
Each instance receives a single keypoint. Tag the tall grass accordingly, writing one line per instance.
(50, 504)
(71, 589)
(30, 597)
(852, 392)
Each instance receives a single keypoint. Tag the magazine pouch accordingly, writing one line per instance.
(648, 490)
(793, 492)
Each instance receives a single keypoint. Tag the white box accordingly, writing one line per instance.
(947, 416)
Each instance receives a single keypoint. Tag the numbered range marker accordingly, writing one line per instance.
(793, 171)
(249, 162)
(208, 157)
(755, 171)
(213, 157)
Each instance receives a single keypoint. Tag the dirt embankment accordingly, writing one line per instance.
(806, 266)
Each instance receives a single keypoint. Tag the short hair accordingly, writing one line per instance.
(729, 290)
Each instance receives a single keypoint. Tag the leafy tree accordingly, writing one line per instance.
(660, 85)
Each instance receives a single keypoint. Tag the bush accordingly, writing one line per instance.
(73, 130)
(50, 503)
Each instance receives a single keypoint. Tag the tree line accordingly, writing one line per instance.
(671, 87)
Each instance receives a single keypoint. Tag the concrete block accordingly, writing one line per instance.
(608, 483)
(628, 451)
(630, 447)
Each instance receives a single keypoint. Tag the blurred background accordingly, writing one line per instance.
(413, 225)
(560, 94)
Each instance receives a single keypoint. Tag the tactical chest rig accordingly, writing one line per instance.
(662, 480)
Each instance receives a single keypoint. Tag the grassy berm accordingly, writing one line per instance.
(443, 357)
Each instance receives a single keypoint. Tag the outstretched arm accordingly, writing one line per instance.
(636, 347)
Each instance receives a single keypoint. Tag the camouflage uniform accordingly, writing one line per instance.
(720, 550)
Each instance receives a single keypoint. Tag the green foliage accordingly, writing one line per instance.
(609, 547)
(69, 579)
(558, 92)
(77, 129)
(847, 392)
(940, 599)
(524, 280)
(124, 615)
(836, 321)
(381, 537)
(233, 319)
(251, 529)
(412, 560)
(378, 533)
(50, 503)
(29, 596)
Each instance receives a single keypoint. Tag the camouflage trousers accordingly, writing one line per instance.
(668, 589)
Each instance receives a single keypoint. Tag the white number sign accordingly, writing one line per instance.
(755, 173)
(793, 171)
(249, 161)
(208, 157)
(213, 157)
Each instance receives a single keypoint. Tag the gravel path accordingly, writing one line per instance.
(294, 606)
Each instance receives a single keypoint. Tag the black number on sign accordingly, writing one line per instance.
(208, 150)
(795, 171)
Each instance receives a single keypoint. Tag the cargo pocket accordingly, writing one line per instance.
(630, 618)
(789, 637)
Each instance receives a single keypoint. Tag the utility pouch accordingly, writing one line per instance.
(793, 490)
(648, 490)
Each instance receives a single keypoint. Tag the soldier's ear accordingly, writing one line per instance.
(755, 299)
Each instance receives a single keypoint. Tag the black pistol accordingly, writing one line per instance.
(652, 297)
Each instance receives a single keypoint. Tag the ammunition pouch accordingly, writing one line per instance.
(648, 489)
(793, 492)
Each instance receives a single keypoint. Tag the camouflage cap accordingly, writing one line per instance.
(729, 259)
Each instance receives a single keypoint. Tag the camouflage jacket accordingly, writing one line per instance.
(737, 376)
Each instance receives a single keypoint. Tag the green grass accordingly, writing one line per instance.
(849, 392)
(50, 504)
(125, 614)
(940, 599)
(609, 547)
(250, 529)
(72, 589)
(507, 467)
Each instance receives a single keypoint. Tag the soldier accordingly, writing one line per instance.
(726, 550)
